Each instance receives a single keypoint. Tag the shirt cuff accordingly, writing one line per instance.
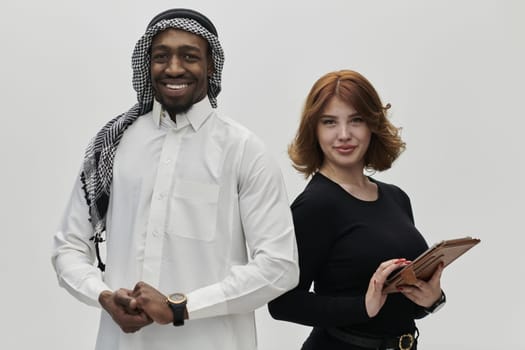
(206, 302)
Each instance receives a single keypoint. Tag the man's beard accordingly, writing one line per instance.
(175, 108)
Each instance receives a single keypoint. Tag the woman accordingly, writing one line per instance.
(352, 230)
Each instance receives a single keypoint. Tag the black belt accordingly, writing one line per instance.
(403, 342)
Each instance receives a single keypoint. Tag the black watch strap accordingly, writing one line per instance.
(177, 304)
(178, 313)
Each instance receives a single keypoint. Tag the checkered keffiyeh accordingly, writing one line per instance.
(97, 172)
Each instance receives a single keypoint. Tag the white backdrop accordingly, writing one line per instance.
(452, 70)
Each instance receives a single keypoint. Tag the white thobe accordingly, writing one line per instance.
(198, 207)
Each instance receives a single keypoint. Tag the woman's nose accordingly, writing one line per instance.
(344, 133)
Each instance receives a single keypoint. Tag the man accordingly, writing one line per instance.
(192, 209)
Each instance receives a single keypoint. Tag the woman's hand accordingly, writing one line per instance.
(425, 293)
(375, 298)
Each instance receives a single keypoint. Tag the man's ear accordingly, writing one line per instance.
(211, 68)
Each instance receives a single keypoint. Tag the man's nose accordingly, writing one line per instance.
(175, 66)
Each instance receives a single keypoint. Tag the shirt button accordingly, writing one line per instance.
(161, 196)
(167, 161)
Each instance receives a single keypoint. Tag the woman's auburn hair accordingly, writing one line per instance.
(350, 86)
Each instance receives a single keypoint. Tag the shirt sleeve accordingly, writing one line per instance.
(315, 234)
(267, 223)
(73, 254)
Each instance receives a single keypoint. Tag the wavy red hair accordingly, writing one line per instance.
(385, 145)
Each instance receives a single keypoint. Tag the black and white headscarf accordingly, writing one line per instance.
(97, 172)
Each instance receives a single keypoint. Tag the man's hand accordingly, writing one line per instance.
(123, 310)
(153, 302)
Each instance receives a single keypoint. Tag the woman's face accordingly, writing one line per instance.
(343, 136)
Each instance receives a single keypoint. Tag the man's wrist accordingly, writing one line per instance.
(104, 296)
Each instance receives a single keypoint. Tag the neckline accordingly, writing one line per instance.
(341, 188)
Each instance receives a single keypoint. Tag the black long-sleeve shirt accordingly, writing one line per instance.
(341, 241)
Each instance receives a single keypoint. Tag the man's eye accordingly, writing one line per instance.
(191, 58)
(159, 57)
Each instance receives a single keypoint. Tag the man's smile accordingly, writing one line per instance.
(176, 86)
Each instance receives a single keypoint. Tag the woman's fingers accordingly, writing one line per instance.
(386, 268)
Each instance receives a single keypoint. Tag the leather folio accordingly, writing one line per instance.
(423, 267)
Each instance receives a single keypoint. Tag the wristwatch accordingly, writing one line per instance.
(177, 304)
(437, 305)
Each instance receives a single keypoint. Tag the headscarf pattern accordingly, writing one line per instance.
(97, 172)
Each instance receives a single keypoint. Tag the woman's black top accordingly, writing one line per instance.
(341, 241)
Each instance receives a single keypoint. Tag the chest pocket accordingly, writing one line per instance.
(193, 210)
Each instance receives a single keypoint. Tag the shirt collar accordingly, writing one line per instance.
(195, 116)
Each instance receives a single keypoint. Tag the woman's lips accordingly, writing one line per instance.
(345, 149)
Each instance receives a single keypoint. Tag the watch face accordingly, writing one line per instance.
(177, 298)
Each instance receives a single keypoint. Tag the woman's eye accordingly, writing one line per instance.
(357, 120)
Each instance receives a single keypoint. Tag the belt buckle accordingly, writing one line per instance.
(404, 339)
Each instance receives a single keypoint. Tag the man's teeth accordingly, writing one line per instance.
(176, 86)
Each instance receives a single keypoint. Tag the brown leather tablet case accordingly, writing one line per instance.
(424, 266)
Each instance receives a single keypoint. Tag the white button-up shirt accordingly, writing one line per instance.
(197, 207)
